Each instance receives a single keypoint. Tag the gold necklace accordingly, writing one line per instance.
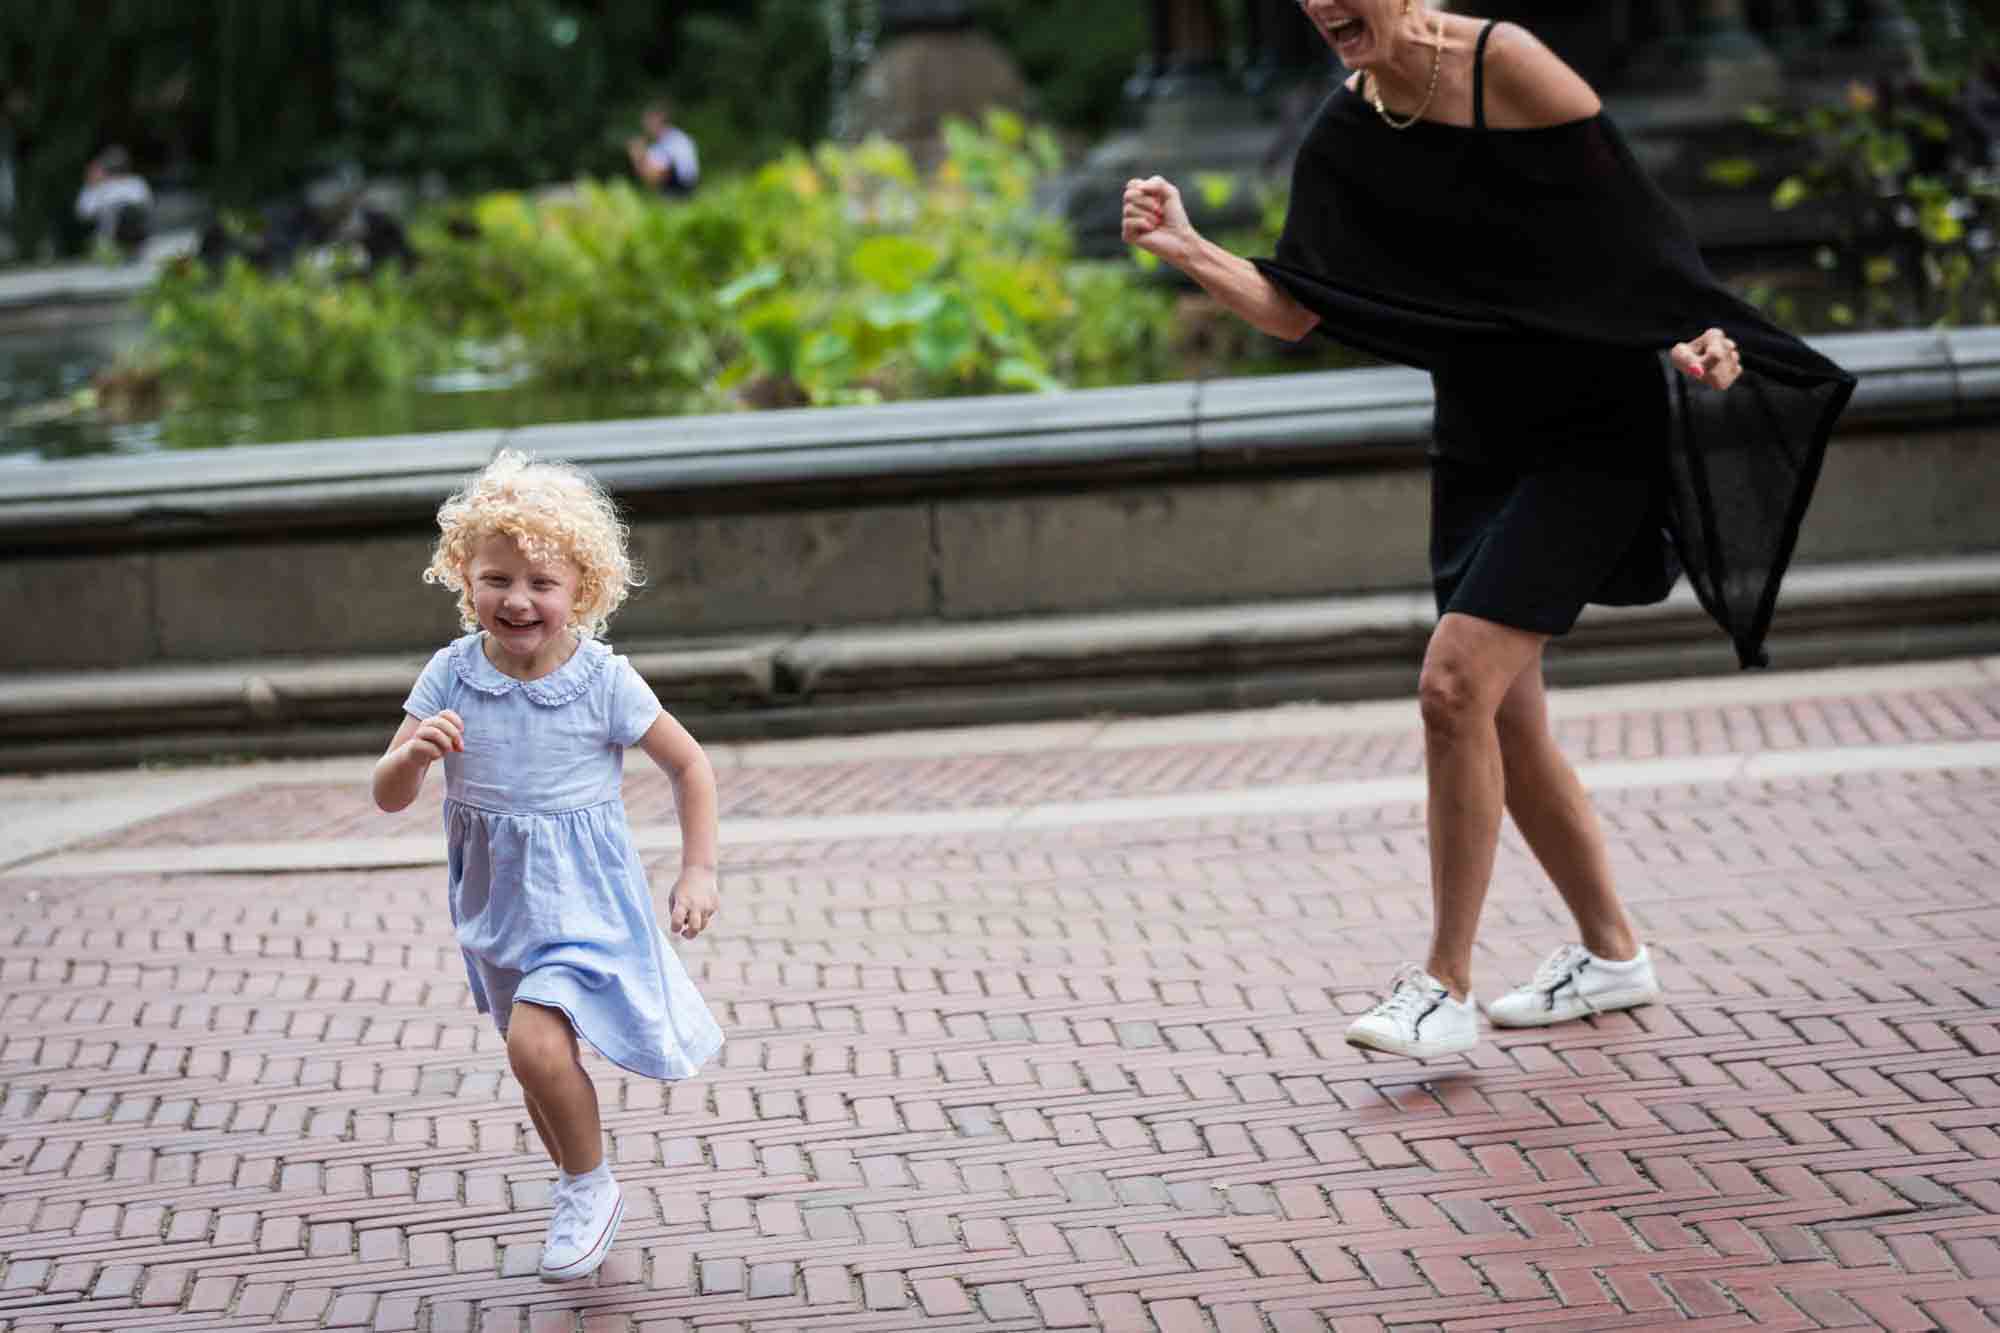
(1437, 63)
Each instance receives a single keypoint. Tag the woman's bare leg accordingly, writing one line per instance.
(542, 1049)
(1555, 816)
(1469, 668)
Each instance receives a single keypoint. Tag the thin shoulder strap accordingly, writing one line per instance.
(1479, 76)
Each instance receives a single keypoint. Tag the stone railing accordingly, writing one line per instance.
(1165, 495)
(1168, 546)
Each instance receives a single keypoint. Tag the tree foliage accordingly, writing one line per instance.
(246, 100)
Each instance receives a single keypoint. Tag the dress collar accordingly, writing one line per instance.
(566, 682)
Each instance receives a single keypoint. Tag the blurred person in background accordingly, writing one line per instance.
(665, 158)
(115, 204)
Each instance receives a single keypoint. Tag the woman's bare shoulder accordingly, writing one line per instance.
(1528, 85)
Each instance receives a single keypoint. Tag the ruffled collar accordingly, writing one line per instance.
(566, 682)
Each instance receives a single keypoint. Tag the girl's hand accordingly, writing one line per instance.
(1711, 358)
(435, 737)
(1156, 221)
(694, 902)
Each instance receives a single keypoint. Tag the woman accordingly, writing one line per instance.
(1462, 204)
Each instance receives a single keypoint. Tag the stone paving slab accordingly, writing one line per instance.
(1082, 1074)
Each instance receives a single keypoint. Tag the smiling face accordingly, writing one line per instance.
(1362, 33)
(523, 606)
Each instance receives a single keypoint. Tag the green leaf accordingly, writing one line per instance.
(773, 333)
(1791, 192)
(1887, 153)
(1019, 373)
(993, 316)
(1939, 224)
(1046, 149)
(945, 339)
(761, 278)
(886, 312)
(893, 263)
(1734, 172)
(1841, 313)
(826, 348)
(1216, 188)
(1879, 269)
(1006, 126)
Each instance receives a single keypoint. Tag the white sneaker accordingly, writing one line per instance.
(1418, 1019)
(1573, 982)
(581, 1229)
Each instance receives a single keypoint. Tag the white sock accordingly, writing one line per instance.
(1621, 963)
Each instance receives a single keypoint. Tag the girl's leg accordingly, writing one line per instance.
(541, 1048)
(541, 1119)
(1554, 814)
(1470, 666)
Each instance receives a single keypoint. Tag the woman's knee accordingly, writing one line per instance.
(1450, 697)
(1469, 668)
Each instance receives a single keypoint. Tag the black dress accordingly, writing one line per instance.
(1541, 277)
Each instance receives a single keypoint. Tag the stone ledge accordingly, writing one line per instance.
(287, 697)
(1333, 420)
(1065, 666)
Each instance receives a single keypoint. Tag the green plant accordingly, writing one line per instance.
(1913, 204)
(247, 335)
(836, 276)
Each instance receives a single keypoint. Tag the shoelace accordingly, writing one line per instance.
(566, 1226)
(1408, 996)
(1558, 968)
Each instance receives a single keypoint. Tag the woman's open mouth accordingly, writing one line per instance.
(1346, 31)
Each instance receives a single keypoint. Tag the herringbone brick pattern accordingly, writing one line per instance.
(1058, 1078)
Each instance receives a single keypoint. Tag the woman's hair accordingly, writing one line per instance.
(553, 512)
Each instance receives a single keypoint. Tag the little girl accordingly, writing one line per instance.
(531, 713)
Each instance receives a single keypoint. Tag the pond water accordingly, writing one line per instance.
(47, 410)
(42, 369)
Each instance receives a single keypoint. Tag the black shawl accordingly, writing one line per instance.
(1442, 242)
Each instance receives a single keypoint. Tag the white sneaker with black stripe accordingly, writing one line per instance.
(1418, 1018)
(1573, 982)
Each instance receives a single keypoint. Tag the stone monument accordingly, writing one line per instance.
(928, 60)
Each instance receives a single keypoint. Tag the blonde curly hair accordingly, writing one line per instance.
(553, 512)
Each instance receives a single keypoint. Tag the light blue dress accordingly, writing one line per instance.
(548, 895)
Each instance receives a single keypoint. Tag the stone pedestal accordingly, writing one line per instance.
(1200, 108)
(930, 62)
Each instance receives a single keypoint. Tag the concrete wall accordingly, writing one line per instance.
(1172, 495)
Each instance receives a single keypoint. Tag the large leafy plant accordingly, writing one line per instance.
(1906, 184)
(839, 275)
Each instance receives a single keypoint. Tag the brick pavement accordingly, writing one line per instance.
(1084, 1075)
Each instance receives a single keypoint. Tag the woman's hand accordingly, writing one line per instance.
(1711, 358)
(694, 902)
(1156, 221)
